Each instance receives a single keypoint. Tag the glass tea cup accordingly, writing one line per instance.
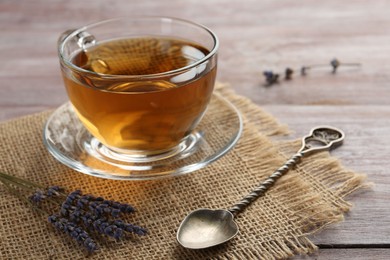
(139, 85)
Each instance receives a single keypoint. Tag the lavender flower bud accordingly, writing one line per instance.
(75, 216)
(123, 207)
(115, 213)
(126, 208)
(68, 200)
(288, 73)
(83, 200)
(90, 244)
(270, 77)
(37, 197)
(66, 207)
(64, 212)
(74, 195)
(335, 63)
(53, 191)
(109, 230)
(52, 218)
(118, 234)
(58, 225)
(136, 230)
(140, 231)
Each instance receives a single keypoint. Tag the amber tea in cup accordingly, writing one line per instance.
(140, 85)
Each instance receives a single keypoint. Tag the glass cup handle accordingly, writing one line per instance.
(84, 39)
(64, 35)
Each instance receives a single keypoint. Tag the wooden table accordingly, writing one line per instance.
(254, 36)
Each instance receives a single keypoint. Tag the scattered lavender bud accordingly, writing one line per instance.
(288, 73)
(335, 64)
(270, 77)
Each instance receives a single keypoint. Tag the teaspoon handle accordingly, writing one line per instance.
(264, 186)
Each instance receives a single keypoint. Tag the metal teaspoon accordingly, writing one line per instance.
(205, 228)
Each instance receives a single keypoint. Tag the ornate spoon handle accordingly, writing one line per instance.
(320, 138)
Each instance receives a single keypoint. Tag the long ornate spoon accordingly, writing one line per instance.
(205, 228)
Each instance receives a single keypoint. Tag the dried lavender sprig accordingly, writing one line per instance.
(94, 213)
(76, 232)
(334, 63)
(304, 69)
(76, 206)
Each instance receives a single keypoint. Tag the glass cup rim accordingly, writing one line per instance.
(144, 76)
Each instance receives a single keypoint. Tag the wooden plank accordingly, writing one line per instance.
(356, 254)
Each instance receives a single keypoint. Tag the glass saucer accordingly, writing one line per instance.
(70, 143)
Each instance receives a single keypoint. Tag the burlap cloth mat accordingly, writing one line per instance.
(275, 226)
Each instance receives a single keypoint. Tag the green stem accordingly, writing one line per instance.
(24, 184)
(17, 180)
(18, 185)
(17, 194)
